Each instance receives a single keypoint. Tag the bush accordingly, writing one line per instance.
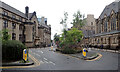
(68, 51)
(12, 50)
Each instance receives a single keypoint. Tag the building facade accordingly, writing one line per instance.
(108, 28)
(88, 29)
(44, 32)
(21, 26)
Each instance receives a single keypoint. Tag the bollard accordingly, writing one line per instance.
(84, 53)
(25, 55)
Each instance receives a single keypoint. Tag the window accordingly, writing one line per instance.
(98, 41)
(5, 23)
(91, 23)
(20, 18)
(5, 13)
(13, 25)
(105, 26)
(20, 37)
(13, 36)
(20, 27)
(13, 16)
(113, 24)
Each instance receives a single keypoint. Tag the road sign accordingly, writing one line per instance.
(84, 53)
(25, 54)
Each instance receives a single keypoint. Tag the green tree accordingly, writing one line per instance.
(74, 36)
(64, 23)
(78, 20)
(5, 35)
(56, 37)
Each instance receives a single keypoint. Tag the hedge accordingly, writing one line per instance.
(12, 50)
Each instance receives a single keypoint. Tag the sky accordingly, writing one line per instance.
(54, 10)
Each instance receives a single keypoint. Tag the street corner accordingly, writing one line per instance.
(33, 62)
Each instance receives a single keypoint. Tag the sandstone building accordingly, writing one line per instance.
(88, 29)
(22, 26)
(44, 32)
(108, 28)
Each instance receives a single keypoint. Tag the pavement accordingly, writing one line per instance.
(105, 50)
(17, 63)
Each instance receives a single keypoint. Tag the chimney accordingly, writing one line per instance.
(26, 11)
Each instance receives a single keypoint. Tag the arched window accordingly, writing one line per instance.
(113, 23)
(105, 25)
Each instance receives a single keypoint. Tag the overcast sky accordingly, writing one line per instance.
(54, 10)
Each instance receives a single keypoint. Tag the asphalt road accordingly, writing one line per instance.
(50, 60)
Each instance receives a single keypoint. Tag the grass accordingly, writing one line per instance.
(22, 61)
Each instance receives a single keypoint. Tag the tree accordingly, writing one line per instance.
(64, 23)
(74, 36)
(5, 35)
(78, 21)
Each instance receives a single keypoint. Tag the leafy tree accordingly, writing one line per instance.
(5, 35)
(78, 21)
(56, 37)
(73, 37)
(64, 23)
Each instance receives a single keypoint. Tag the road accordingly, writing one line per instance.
(50, 60)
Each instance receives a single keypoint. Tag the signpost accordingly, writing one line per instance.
(84, 53)
(25, 54)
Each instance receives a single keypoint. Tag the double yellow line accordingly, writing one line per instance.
(37, 63)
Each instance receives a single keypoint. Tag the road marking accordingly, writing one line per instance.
(38, 55)
(45, 59)
(41, 51)
(41, 62)
(35, 60)
(51, 62)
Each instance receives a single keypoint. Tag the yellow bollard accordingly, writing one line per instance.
(25, 54)
(84, 53)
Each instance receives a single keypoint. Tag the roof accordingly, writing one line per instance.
(30, 15)
(113, 6)
(11, 9)
(102, 34)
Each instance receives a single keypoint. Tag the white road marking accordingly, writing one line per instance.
(41, 51)
(45, 59)
(41, 62)
(38, 55)
(51, 62)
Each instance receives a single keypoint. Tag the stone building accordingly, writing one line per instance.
(88, 29)
(21, 26)
(108, 28)
(44, 32)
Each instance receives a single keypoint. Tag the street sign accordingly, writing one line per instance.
(84, 53)
(25, 54)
